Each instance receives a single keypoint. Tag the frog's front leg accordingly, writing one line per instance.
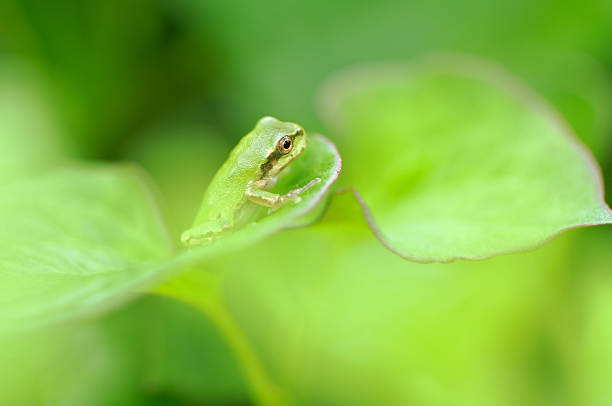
(256, 193)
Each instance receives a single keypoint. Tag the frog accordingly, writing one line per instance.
(243, 182)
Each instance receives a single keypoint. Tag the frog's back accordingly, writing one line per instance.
(225, 195)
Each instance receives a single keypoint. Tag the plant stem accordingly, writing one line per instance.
(201, 289)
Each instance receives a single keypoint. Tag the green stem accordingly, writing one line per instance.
(264, 390)
(201, 290)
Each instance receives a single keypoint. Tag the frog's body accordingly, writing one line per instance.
(251, 169)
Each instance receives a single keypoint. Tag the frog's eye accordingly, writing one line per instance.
(285, 145)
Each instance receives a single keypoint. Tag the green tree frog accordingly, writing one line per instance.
(242, 183)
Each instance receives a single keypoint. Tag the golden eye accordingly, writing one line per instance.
(285, 145)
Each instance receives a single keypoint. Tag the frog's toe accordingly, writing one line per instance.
(186, 239)
(190, 239)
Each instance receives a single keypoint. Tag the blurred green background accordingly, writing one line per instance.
(173, 85)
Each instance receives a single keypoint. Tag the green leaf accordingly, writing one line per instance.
(454, 158)
(75, 241)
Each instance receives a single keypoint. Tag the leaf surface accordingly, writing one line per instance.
(454, 158)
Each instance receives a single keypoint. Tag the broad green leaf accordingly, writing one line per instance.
(74, 242)
(454, 158)
(77, 241)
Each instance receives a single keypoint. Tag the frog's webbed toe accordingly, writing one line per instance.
(193, 240)
(203, 234)
(194, 237)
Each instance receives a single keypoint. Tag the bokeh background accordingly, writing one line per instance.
(172, 85)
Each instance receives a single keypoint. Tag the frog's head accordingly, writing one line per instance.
(286, 141)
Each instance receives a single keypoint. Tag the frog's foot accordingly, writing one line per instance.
(190, 239)
(294, 195)
(307, 186)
